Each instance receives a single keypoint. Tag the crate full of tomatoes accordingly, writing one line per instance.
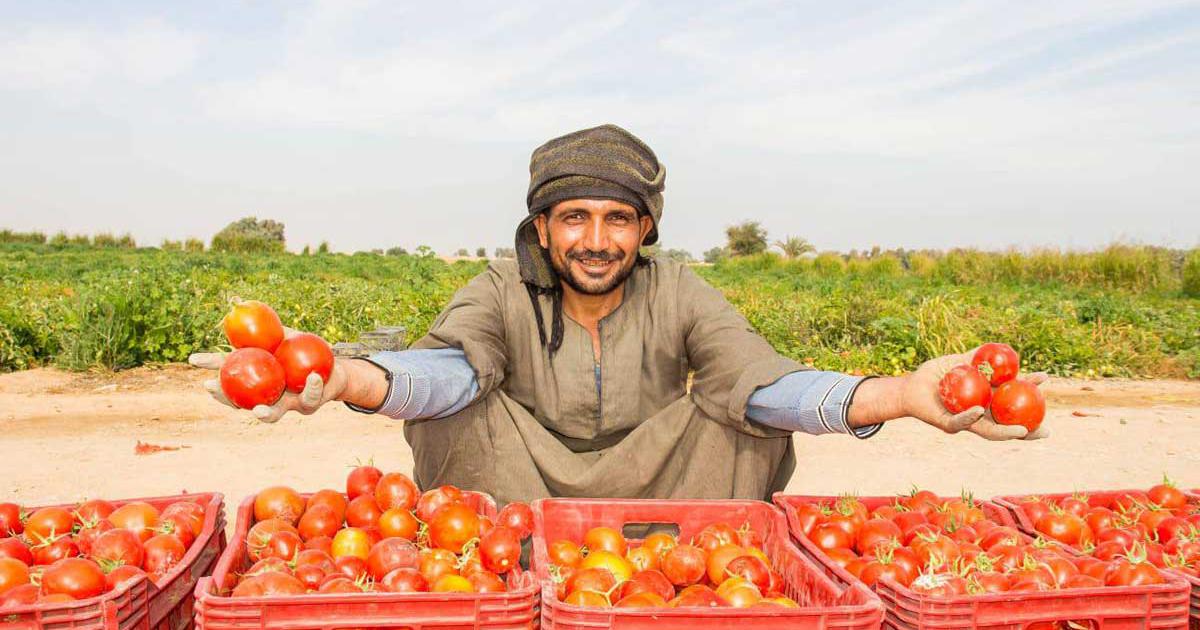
(382, 553)
(957, 562)
(107, 564)
(1159, 527)
(626, 563)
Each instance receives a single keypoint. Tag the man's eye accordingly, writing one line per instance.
(619, 218)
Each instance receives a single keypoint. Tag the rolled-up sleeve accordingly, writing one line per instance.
(810, 402)
(425, 383)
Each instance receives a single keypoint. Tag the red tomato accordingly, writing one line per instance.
(165, 551)
(363, 511)
(54, 550)
(500, 549)
(453, 526)
(830, 536)
(269, 584)
(605, 539)
(1172, 527)
(684, 565)
(486, 582)
(997, 361)
(390, 554)
(433, 500)
(278, 502)
(362, 480)
(1166, 495)
(808, 516)
(875, 532)
(565, 553)
(177, 524)
(283, 545)
(352, 567)
(119, 547)
(252, 324)
(138, 517)
(595, 579)
(122, 576)
(331, 499)
(645, 599)
(16, 549)
(351, 541)
(10, 520)
(13, 573)
(318, 520)
(404, 580)
(193, 511)
(519, 517)
(697, 596)
(301, 355)
(752, 569)
(962, 388)
(876, 570)
(252, 377)
(48, 523)
(647, 582)
(1065, 528)
(93, 511)
(1126, 572)
(1019, 402)
(76, 577)
(260, 535)
(396, 490)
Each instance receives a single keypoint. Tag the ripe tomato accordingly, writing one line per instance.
(876, 570)
(123, 576)
(268, 564)
(13, 573)
(565, 553)
(997, 361)
(16, 549)
(283, 545)
(935, 551)
(587, 599)
(876, 531)
(1170, 528)
(1065, 528)
(939, 585)
(351, 541)
(119, 547)
(10, 520)
(269, 584)
(684, 565)
(362, 480)
(752, 569)
(642, 558)
(318, 520)
(808, 516)
(486, 582)
(500, 549)
(432, 500)
(93, 511)
(595, 579)
(404, 580)
(363, 511)
(390, 554)
(251, 377)
(331, 499)
(1019, 403)
(453, 526)
(739, 593)
(617, 565)
(278, 502)
(76, 577)
(830, 536)
(138, 517)
(659, 544)
(1166, 495)
(519, 517)
(86, 536)
(396, 490)
(54, 549)
(260, 535)
(301, 355)
(433, 568)
(718, 560)
(193, 511)
(399, 523)
(696, 595)
(964, 387)
(453, 584)
(647, 582)
(1126, 572)
(47, 523)
(164, 551)
(605, 539)
(177, 524)
(252, 324)
(645, 599)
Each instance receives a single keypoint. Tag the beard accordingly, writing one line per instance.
(572, 272)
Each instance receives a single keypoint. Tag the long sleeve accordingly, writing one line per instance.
(810, 402)
(426, 383)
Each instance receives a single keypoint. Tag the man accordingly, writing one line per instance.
(565, 372)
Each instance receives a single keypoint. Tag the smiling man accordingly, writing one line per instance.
(565, 372)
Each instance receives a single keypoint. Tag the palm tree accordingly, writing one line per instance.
(795, 247)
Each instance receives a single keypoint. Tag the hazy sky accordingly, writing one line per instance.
(372, 124)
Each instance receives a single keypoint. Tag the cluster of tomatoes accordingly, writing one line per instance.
(266, 362)
(721, 566)
(382, 535)
(56, 554)
(994, 365)
(946, 548)
(1161, 525)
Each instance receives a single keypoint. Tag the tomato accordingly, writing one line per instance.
(647, 582)
(1100, 519)
(876, 570)
(318, 520)
(962, 388)
(252, 324)
(260, 535)
(808, 516)
(21, 595)
(644, 599)
(876, 531)
(738, 593)
(164, 551)
(396, 490)
(339, 584)
(486, 582)
(267, 565)
(997, 361)
(453, 584)
(301, 355)
(938, 585)
(617, 565)
(93, 511)
(433, 500)
(432, 568)
(1170, 528)
(564, 553)
(500, 549)
(399, 523)
(642, 558)
(605, 539)
(684, 565)
(138, 517)
(54, 549)
(1130, 501)
(16, 549)
(719, 559)
(935, 551)
(362, 480)
(659, 544)
(1019, 402)
(1083, 581)
(453, 526)
(177, 524)
(320, 543)
(830, 536)
(75, 577)
(363, 511)
(404, 580)
(351, 541)
(278, 502)
(841, 557)
(118, 547)
(269, 584)
(588, 599)
(390, 554)
(752, 569)
(331, 499)
(1166, 495)
(193, 513)
(593, 579)
(1126, 572)
(251, 377)
(13, 573)
(283, 545)
(10, 520)
(517, 516)
(1002, 535)
(47, 523)
(697, 595)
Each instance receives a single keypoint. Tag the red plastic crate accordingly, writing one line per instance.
(1157, 606)
(215, 610)
(166, 606)
(1105, 498)
(824, 604)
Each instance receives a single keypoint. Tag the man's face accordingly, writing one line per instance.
(593, 243)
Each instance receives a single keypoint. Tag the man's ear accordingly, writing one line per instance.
(647, 226)
(539, 222)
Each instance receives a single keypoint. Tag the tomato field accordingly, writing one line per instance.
(1124, 311)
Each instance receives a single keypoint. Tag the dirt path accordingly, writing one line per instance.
(67, 436)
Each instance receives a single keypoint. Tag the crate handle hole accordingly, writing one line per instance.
(638, 531)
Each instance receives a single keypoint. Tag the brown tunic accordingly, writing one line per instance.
(539, 428)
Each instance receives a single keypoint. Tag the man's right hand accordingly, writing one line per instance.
(315, 393)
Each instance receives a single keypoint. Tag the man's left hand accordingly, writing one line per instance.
(921, 401)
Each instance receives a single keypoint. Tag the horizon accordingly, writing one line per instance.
(370, 125)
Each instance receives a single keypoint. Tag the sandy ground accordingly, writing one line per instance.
(68, 436)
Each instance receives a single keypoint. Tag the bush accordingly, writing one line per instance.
(249, 235)
(1191, 274)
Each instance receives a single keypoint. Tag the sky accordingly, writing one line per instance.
(913, 124)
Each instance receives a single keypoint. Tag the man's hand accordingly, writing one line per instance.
(315, 393)
(921, 400)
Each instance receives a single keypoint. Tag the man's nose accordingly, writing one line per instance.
(596, 238)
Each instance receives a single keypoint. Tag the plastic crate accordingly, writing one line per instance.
(824, 604)
(1105, 498)
(215, 610)
(1157, 606)
(142, 604)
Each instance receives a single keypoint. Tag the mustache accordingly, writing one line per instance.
(602, 256)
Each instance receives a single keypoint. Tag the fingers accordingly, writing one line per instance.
(271, 414)
(1038, 434)
(310, 396)
(1037, 378)
(207, 360)
(989, 429)
(962, 420)
(214, 388)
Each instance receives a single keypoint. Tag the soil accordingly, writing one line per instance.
(72, 436)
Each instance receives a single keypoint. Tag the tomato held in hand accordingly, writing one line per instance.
(998, 362)
(251, 377)
(252, 324)
(1019, 403)
(962, 388)
(302, 355)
